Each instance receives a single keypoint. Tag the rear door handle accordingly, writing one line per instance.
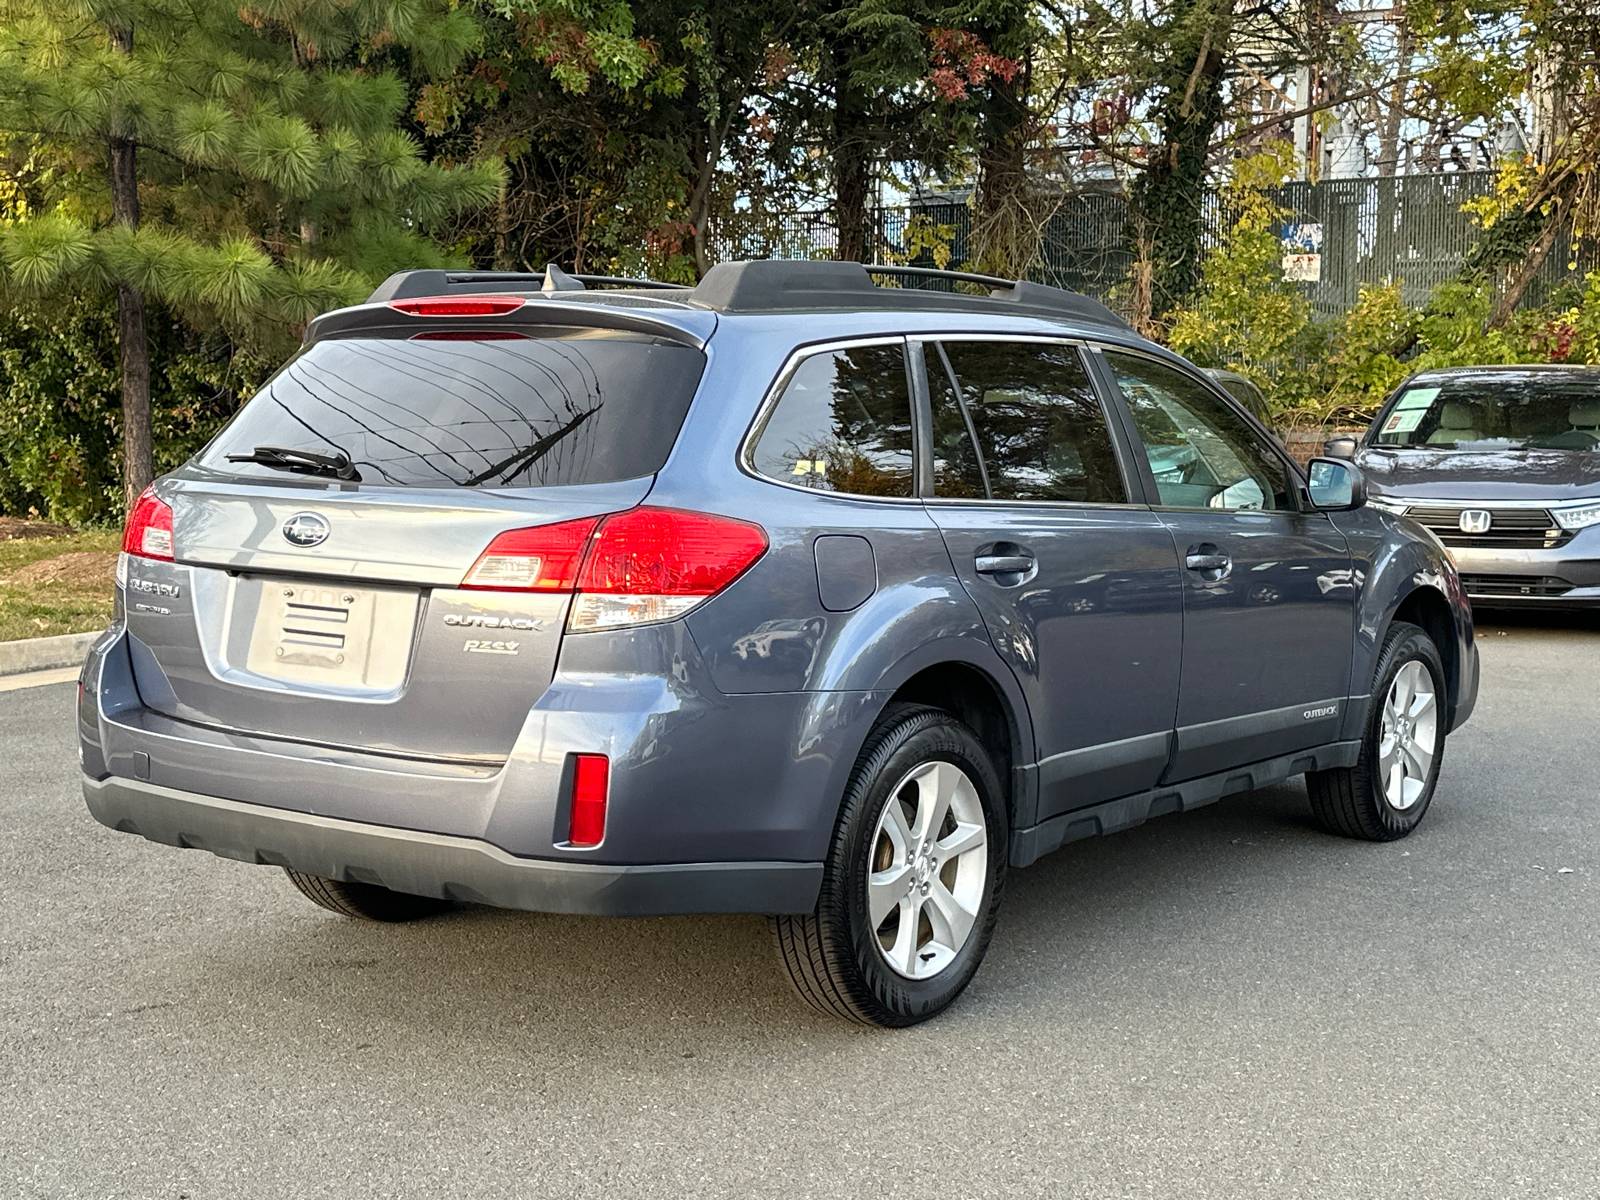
(1005, 564)
(1208, 558)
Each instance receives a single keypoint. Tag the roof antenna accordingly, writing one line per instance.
(557, 280)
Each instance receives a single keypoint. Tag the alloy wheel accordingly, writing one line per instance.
(930, 860)
(1408, 737)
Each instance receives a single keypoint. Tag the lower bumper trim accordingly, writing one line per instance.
(456, 868)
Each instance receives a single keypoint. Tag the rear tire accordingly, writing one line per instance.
(364, 901)
(913, 879)
(1385, 795)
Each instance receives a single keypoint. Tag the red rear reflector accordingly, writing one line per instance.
(667, 552)
(542, 559)
(591, 780)
(148, 532)
(461, 306)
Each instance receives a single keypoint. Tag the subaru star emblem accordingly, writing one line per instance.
(1475, 520)
(305, 529)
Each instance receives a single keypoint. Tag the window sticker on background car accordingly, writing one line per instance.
(1409, 410)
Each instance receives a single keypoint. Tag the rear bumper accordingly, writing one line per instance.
(431, 864)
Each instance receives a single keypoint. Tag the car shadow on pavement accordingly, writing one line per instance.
(494, 982)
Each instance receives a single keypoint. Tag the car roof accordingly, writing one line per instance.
(770, 286)
(798, 302)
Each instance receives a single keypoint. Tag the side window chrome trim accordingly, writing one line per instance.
(752, 435)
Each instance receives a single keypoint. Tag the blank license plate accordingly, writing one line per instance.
(343, 636)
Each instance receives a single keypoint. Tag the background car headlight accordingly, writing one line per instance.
(1397, 507)
(1578, 516)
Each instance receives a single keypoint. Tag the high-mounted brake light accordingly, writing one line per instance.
(148, 532)
(631, 568)
(459, 306)
(591, 780)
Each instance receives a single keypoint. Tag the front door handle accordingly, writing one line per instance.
(1209, 560)
(1005, 564)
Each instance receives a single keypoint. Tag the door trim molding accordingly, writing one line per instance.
(1209, 745)
(1028, 845)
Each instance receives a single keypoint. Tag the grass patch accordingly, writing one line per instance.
(30, 610)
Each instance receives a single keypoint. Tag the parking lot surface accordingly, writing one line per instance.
(1226, 1003)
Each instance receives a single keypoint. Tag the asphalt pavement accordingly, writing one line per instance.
(1226, 1003)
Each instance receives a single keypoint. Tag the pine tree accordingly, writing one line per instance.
(248, 167)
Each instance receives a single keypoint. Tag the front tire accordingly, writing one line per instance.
(913, 880)
(1384, 796)
(364, 901)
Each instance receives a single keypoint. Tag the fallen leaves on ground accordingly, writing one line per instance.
(23, 527)
(83, 567)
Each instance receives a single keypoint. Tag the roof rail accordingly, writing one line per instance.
(406, 285)
(988, 281)
(790, 285)
(784, 285)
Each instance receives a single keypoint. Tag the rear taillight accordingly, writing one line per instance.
(631, 568)
(148, 532)
(459, 306)
(654, 564)
(591, 780)
(542, 559)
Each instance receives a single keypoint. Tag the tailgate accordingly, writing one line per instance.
(362, 640)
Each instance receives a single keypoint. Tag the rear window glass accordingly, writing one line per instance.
(454, 410)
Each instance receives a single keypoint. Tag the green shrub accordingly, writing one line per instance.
(60, 404)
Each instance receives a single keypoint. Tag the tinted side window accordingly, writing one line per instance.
(957, 471)
(1040, 430)
(1202, 453)
(843, 424)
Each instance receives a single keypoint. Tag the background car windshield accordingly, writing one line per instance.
(1496, 414)
(474, 410)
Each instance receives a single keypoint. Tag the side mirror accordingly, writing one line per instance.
(1343, 446)
(1337, 485)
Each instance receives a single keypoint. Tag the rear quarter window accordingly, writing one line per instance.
(463, 409)
(842, 424)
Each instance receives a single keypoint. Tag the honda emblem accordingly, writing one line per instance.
(1475, 520)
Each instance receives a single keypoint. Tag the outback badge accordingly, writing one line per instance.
(305, 529)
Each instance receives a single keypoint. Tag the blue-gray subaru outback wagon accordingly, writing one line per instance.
(791, 593)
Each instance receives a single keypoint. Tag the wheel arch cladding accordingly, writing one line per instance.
(970, 695)
(1427, 608)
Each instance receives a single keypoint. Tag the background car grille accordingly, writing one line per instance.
(1509, 528)
(1486, 586)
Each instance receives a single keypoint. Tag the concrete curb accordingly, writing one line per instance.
(44, 654)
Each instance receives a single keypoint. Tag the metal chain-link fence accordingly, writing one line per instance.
(1409, 228)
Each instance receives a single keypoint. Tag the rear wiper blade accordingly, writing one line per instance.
(528, 455)
(301, 462)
